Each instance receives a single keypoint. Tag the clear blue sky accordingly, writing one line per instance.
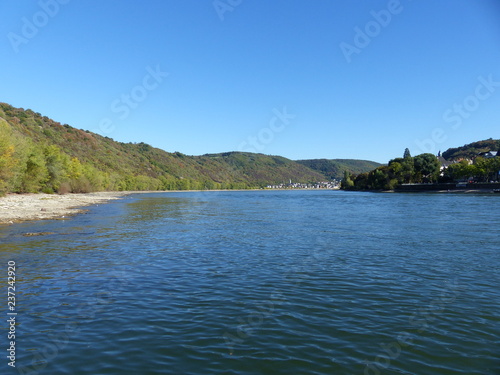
(358, 79)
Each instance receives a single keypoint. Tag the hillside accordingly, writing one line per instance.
(471, 150)
(334, 168)
(37, 153)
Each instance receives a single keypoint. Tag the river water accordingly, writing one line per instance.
(260, 282)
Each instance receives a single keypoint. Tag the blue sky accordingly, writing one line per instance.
(302, 79)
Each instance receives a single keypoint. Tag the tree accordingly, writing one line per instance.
(36, 173)
(346, 181)
(495, 167)
(405, 171)
(407, 154)
(55, 161)
(408, 170)
(360, 182)
(7, 160)
(379, 178)
(428, 165)
(482, 170)
(395, 171)
(74, 168)
(459, 171)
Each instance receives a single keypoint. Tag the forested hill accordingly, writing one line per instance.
(472, 150)
(40, 154)
(334, 168)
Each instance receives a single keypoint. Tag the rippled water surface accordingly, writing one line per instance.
(270, 282)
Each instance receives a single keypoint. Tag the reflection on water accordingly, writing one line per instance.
(271, 282)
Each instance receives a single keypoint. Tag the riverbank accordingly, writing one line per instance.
(456, 191)
(15, 208)
(485, 187)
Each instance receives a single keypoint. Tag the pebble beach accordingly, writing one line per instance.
(15, 208)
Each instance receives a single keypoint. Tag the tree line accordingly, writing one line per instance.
(482, 170)
(424, 168)
(28, 166)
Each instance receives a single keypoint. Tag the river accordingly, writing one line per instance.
(260, 282)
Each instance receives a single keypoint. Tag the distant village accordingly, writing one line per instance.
(446, 163)
(470, 161)
(334, 184)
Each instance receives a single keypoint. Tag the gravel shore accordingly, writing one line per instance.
(15, 208)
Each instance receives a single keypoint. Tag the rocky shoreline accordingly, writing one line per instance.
(15, 208)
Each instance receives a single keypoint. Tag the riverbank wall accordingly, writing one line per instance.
(448, 187)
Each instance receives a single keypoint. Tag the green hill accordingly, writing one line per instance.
(471, 150)
(40, 154)
(334, 168)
